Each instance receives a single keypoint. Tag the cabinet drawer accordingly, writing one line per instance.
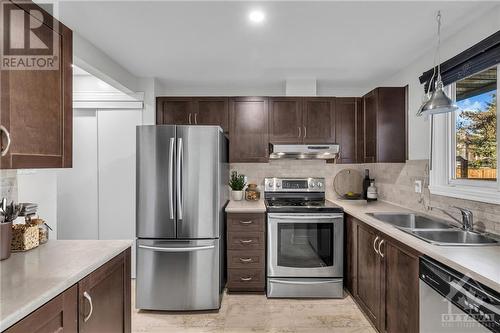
(245, 240)
(245, 222)
(246, 280)
(246, 259)
(57, 315)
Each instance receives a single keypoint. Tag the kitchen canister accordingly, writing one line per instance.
(252, 193)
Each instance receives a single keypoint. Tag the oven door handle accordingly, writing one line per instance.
(302, 282)
(305, 217)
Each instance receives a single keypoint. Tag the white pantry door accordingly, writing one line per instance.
(77, 210)
(116, 168)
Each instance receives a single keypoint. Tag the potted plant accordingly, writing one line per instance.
(237, 183)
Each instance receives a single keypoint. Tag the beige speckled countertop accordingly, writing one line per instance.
(244, 206)
(30, 279)
(481, 263)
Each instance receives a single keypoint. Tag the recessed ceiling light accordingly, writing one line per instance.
(256, 16)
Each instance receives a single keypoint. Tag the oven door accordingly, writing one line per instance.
(305, 245)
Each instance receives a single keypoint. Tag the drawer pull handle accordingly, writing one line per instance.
(89, 299)
(246, 259)
(246, 278)
(246, 241)
(246, 222)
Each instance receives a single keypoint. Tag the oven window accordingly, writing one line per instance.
(305, 245)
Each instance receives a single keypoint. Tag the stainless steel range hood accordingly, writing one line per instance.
(305, 151)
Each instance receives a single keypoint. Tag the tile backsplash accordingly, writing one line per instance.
(395, 183)
(8, 185)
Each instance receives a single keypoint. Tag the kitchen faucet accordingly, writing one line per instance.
(467, 217)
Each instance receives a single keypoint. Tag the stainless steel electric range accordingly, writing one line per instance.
(305, 240)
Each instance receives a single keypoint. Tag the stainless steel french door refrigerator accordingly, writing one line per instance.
(182, 173)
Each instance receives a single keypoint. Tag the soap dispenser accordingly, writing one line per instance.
(371, 193)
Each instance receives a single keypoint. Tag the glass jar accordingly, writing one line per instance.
(43, 229)
(252, 193)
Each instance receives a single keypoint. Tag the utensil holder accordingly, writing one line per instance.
(5, 240)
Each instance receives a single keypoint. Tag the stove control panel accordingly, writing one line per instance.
(294, 185)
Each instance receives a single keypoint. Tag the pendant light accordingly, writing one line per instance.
(437, 101)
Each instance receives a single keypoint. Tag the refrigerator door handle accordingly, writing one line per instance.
(179, 178)
(171, 178)
(177, 249)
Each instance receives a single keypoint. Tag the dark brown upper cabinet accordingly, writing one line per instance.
(384, 125)
(302, 120)
(36, 112)
(193, 111)
(174, 111)
(285, 120)
(346, 119)
(212, 111)
(318, 120)
(248, 129)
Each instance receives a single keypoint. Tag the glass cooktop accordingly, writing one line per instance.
(301, 205)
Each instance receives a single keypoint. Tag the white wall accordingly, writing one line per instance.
(40, 186)
(418, 128)
(93, 60)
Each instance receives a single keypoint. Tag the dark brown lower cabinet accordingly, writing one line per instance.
(100, 302)
(368, 273)
(400, 289)
(246, 254)
(104, 297)
(58, 315)
(382, 276)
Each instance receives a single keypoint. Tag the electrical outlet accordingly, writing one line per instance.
(418, 186)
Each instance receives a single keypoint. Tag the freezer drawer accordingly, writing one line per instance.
(304, 288)
(178, 275)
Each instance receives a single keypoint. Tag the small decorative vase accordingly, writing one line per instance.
(237, 195)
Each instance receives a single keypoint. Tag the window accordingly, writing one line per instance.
(465, 160)
(475, 130)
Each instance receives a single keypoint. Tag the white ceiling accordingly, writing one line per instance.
(348, 44)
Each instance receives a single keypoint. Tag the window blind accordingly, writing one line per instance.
(477, 58)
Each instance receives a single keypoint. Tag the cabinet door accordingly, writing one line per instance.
(285, 120)
(350, 257)
(318, 120)
(370, 103)
(36, 104)
(345, 124)
(104, 297)
(248, 130)
(400, 289)
(360, 134)
(57, 315)
(391, 125)
(212, 111)
(368, 273)
(174, 111)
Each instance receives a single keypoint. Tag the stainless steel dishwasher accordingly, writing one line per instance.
(452, 302)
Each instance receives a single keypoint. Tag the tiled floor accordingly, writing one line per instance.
(256, 313)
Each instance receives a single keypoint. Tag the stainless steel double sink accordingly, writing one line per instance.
(434, 231)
